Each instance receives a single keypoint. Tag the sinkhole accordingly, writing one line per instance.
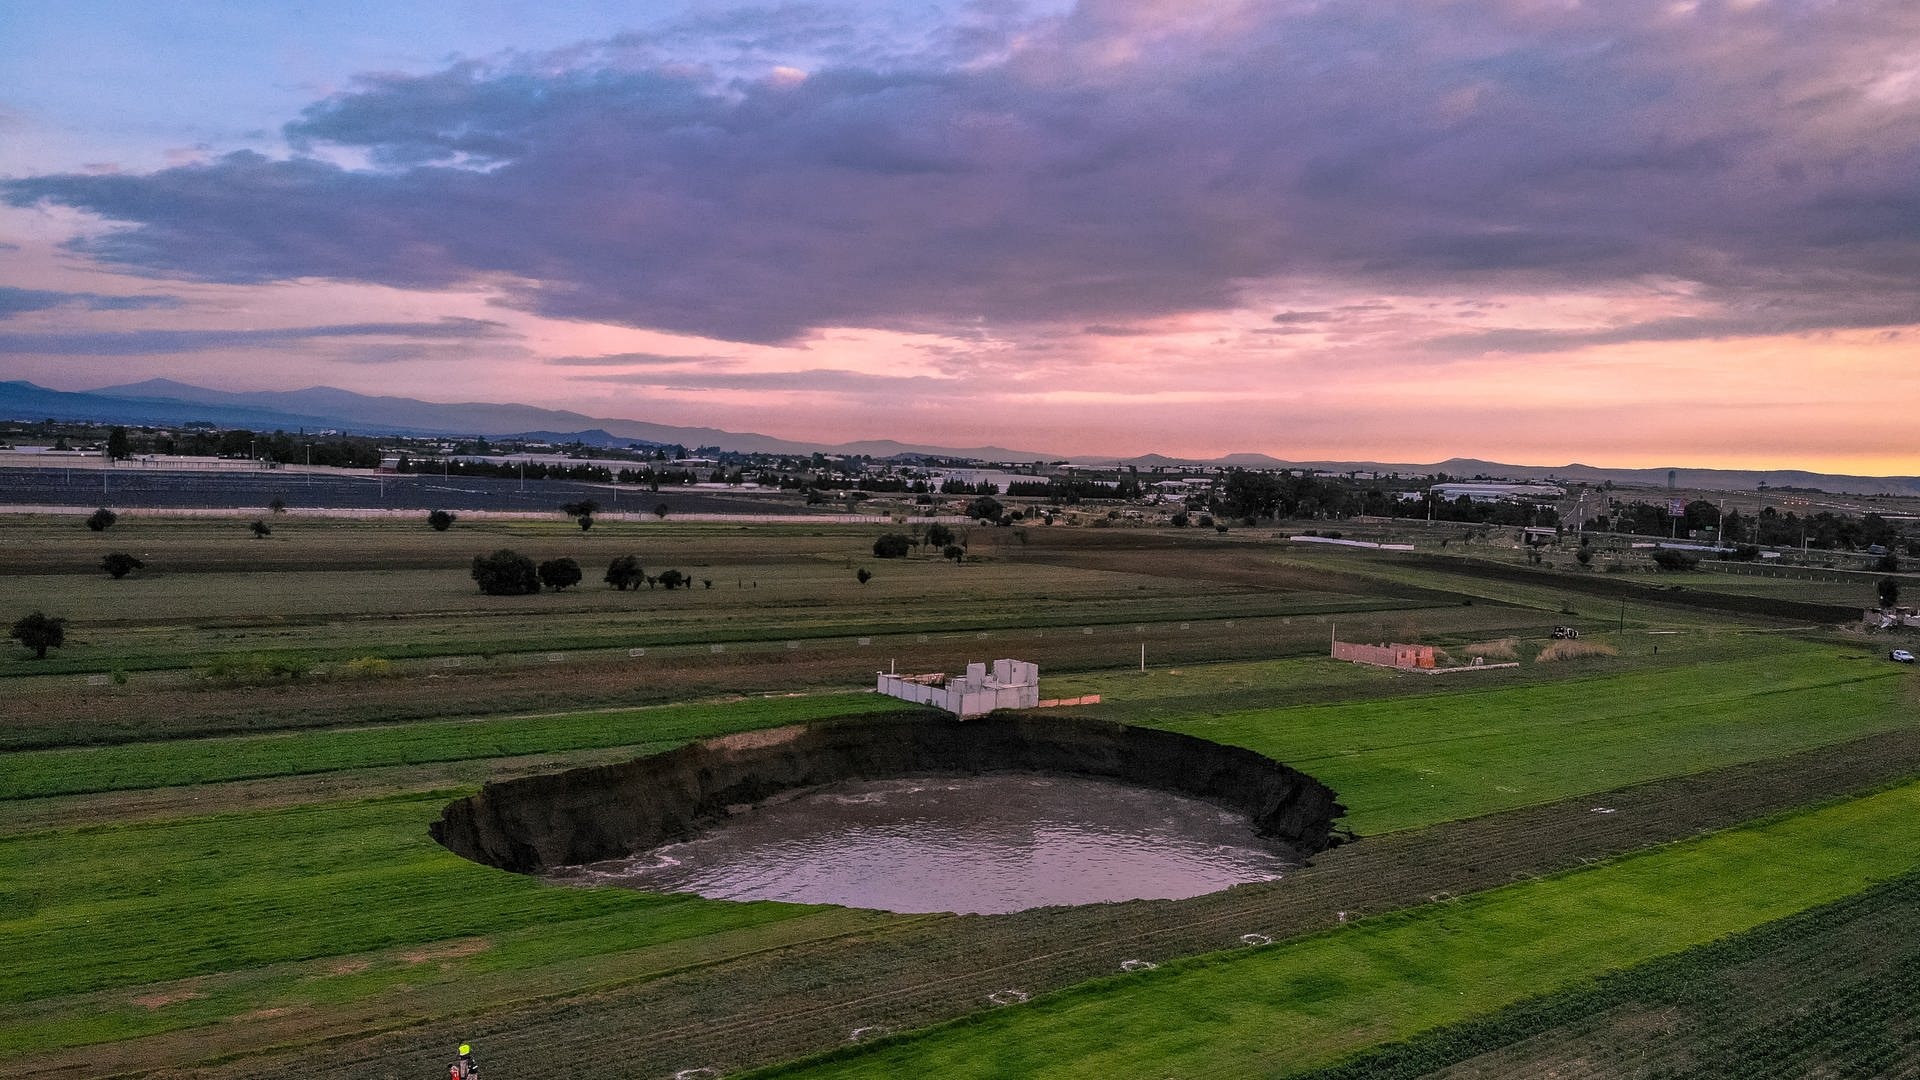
(912, 812)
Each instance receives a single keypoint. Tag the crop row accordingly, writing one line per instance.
(1840, 1015)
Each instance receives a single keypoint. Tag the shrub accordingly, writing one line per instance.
(939, 535)
(1575, 650)
(506, 573)
(259, 669)
(1889, 590)
(368, 667)
(557, 574)
(892, 546)
(1179, 520)
(260, 529)
(1501, 649)
(1584, 556)
(954, 552)
(119, 564)
(863, 575)
(441, 520)
(1675, 560)
(624, 573)
(673, 579)
(102, 519)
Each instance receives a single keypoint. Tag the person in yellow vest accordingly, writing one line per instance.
(465, 1068)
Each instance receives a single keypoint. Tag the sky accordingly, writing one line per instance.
(1619, 232)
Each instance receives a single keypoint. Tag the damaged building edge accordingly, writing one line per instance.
(537, 823)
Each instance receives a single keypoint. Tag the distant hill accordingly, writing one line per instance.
(319, 408)
(322, 408)
(1685, 478)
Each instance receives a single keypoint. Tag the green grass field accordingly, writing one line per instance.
(194, 897)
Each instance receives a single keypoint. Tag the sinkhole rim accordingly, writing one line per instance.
(536, 824)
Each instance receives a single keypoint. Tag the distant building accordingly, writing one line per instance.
(1494, 492)
(1012, 684)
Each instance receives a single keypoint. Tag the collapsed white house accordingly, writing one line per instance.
(1012, 684)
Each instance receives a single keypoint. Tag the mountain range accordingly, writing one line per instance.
(325, 408)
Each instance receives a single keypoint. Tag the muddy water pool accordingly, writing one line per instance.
(984, 844)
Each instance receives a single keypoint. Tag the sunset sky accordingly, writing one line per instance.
(1619, 232)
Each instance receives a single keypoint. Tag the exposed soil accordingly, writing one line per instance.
(584, 815)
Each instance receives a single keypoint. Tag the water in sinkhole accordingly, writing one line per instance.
(982, 844)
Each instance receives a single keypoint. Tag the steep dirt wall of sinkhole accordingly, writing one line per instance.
(584, 815)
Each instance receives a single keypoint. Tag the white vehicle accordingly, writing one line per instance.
(1900, 656)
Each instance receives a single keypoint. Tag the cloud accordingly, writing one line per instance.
(642, 360)
(812, 380)
(149, 342)
(1289, 317)
(1104, 168)
(15, 301)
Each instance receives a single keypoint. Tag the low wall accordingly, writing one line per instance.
(601, 812)
(1393, 656)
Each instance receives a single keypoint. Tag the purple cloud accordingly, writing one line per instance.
(14, 301)
(1112, 168)
(151, 342)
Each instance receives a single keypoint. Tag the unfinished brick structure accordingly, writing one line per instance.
(1393, 655)
(1012, 684)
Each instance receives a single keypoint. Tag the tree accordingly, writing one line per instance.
(673, 579)
(102, 519)
(1888, 564)
(939, 535)
(441, 520)
(892, 546)
(506, 573)
(119, 447)
(557, 574)
(863, 575)
(278, 505)
(1179, 520)
(985, 508)
(660, 511)
(1584, 556)
(954, 552)
(40, 632)
(1889, 589)
(581, 512)
(260, 529)
(624, 573)
(119, 564)
(1667, 559)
